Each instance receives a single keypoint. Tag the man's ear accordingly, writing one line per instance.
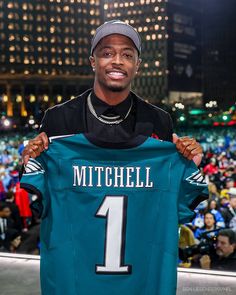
(92, 61)
(138, 64)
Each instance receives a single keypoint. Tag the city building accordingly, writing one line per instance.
(45, 48)
(44, 52)
(219, 52)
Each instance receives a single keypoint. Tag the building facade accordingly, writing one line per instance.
(219, 52)
(44, 52)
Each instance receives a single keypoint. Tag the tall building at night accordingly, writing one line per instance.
(45, 47)
(171, 47)
(44, 52)
(219, 52)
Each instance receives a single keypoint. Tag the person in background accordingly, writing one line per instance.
(213, 191)
(209, 226)
(211, 168)
(225, 256)
(5, 222)
(213, 207)
(230, 211)
(15, 213)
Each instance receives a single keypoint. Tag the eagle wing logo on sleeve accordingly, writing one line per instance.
(33, 167)
(197, 178)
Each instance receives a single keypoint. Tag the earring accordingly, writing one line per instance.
(94, 69)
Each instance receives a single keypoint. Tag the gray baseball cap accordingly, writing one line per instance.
(116, 27)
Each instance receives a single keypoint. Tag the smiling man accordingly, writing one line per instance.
(108, 187)
(111, 111)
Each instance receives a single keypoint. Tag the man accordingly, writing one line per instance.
(230, 212)
(5, 222)
(104, 179)
(111, 111)
(225, 258)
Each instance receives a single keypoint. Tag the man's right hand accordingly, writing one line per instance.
(35, 147)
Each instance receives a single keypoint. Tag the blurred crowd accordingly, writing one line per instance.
(19, 228)
(209, 241)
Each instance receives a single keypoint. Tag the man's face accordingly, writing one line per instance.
(223, 246)
(230, 184)
(5, 213)
(116, 62)
(209, 220)
(233, 202)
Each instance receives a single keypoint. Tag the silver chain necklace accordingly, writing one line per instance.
(103, 118)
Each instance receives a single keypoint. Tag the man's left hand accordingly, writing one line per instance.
(189, 148)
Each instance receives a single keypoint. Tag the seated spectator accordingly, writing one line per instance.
(15, 213)
(198, 221)
(213, 207)
(225, 256)
(209, 226)
(5, 222)
(232, 224)
(211, 168)
(230, 211)
(213, 192)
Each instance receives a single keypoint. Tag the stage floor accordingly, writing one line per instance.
(19, 275)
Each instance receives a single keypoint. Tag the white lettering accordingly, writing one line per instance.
(129, 170)
(99, 169)
(119, 176)
(108, 179)
(138, 182)
(79, 175)
(148, 182)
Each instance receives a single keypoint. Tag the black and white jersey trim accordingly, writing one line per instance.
(33, 167)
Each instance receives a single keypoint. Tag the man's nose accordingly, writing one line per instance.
(118, 59)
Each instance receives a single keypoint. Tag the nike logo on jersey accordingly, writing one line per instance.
(197, 178)
(33, 167)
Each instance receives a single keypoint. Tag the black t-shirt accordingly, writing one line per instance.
(111, 133)
(225, 263)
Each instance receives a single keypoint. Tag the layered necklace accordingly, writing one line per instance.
(111, 120)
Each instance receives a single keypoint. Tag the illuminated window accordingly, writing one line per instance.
(12, 48)
(66, 8)
(154, 36)
(10, 5)
(26, 49)
(26, 38)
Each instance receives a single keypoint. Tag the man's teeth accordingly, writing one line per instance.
(116, 74)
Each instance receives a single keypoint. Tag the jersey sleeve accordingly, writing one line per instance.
(33, 180)
(193, 190)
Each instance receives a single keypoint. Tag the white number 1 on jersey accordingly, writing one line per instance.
(114, 209)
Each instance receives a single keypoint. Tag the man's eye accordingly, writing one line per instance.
(127, 55)
(107, 54)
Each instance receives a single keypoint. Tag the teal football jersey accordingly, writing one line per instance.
(110, 215)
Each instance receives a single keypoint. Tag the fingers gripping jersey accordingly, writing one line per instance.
(110, 216)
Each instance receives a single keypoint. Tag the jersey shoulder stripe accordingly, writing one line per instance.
(33, 167)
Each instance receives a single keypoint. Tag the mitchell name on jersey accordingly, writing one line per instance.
(120, 177)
